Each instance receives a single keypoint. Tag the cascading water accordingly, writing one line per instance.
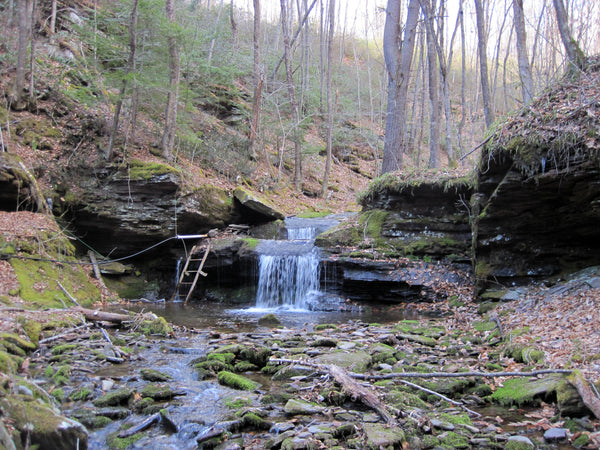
(289, 269)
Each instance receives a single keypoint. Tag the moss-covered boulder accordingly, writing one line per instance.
(381, 436)
(358, 361)
(254, 208)
(43, 425)
(236, 381)
(526, 391)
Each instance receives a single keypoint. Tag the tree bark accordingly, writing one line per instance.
(483, 63)
(168, 139)
(574, 52)
(398, 60)
(24, 17)
(522, 56)
(329, 98)
(434, 103)
(258, 76)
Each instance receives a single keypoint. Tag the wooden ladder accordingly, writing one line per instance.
(188, 272)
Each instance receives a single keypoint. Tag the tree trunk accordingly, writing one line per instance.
(168, 139)
(574, 52)
(292, 94)
(234, 28)
(523, 57)
(329, 98)
(483, 63)
(128, 69)
(434, 102)
(398, 59)
(24, 14)
(258, 76)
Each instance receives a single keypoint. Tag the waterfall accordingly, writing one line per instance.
(288, 270)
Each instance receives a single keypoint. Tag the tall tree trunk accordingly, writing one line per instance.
(32, 97)
(329, 98)
(292, 93)
(293, 40)
(213, 40)
(574, 52)
(522, 56)
(483, 63)
(258, 76)
(433, 81)
(398, 59)
(168, 139)
(128, 69)
(24, 16)
(53, 18)
(234, 27)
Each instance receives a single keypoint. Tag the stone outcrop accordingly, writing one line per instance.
(257, 210)
(18, 189)
(537, 208)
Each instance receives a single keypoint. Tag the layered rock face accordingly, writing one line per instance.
(537, 209)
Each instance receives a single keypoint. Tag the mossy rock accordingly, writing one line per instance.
(452, 440)
(236, 381)
(114, 398)
(141, 170)
(524, 354)
(9, 364)
(211, 367)
(255, 422)
(17, 341)
(47, 429)
(224, 357)
(524, 391)
(269, 320)
(258, 356)
(158, 326)
(157, 392)
(154, 375)
(381, 436)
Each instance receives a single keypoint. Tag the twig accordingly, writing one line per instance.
(481, 144)
(62, 288)
(154, 418)
(66, 333)
(443, 397)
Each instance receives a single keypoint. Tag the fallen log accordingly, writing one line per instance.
(103, 316)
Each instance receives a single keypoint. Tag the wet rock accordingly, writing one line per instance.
(382, 436)
(555, 434)
(275, 442)
(158, 392)
(298, 407)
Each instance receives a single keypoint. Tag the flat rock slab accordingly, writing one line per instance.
(295, 407)
(257, 205)
(382, 436)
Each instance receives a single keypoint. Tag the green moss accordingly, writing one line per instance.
(141, 170)
(269, 320)
(456, 419)
(237, 402)
(158, 326)
(58, 394)
(80, 395)
(236, 381)
(207, 368)
(154, 375)
(313, 214)
(226, 358)
(38, 284)
(258, 356)
(523, 391)
(452, 440)
(9, 364)
(524, 354)
(372, 222)
(62, 375)
(115, 442)
(326, 326)
(256, 422)
(581, 441)
(250, 243)
(63, 348)
(32, 329)
(13, 341)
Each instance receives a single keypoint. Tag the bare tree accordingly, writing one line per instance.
(483, 66)
(433, 81)
(522, 56)
(292, 93)
(168, 139)
(398, 60)
(128, 69)
(329, 97)
(258, 81)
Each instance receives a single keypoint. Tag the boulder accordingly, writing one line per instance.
(256, 209)
(46, 428)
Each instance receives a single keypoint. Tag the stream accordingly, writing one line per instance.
(289, 287)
